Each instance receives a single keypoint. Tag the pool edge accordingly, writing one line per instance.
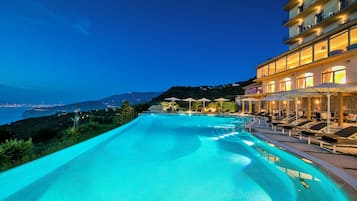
(341, 178)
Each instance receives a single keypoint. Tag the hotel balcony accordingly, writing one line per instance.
(304, 11)
(323, 21)
(337, 44)
(291, 4)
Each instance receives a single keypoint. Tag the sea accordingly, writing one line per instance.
(11, 114)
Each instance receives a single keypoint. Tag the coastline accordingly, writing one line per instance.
(11, 114)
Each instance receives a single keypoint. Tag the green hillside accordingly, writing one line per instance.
(211, 92)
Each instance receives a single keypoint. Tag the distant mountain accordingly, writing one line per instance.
(133, 98)
(23, 95)
(211, 92)
(109, 102)
(9, 94)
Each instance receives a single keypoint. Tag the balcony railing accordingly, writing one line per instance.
(302, 8)
(323, 17)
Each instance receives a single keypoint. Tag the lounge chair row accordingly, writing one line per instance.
(317, 130)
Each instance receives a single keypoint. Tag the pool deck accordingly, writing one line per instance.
(341, 167)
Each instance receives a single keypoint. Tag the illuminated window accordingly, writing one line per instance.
(272, 68)
(259, 72)
(285, 84)
(293, 60)
(281, 65)
(336, 74)
(339, 43)
(305, 80)
(306, 55)
(353, 37)
(270, 87)
(265, 71)
(320, 50)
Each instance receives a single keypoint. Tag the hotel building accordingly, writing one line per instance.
(322, 44)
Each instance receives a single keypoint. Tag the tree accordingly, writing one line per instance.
(126, 114)
(196, 106)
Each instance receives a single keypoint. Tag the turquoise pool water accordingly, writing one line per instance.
(169, 158)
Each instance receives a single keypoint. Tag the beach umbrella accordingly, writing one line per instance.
(328, 89)
(296, 94)
(204, 100)
(221, 100)
(277, 97)
(172, 99)
(189, 100)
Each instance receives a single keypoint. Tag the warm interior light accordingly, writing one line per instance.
(299, 102)
(317, 102)
(343, 19)
(299, 40)
(318, 9)
(300, 21)
(318, 31)
(284, 102)
(273, 102)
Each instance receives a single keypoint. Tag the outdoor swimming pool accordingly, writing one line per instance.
(170, 157)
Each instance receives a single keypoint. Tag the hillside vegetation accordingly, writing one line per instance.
(211, 92)
(32, 138)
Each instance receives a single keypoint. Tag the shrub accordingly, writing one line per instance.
(197, 106)
(229, 107)
(14, 151)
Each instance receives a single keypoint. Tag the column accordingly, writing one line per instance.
(308, 115)
(243, 105)
(259, 106)
(250, 107)
(340, 111)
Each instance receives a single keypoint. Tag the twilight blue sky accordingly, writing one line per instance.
(92, 49)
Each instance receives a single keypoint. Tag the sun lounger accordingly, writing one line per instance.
(287, 120)
(315, 129)
(291, 126)
(344, 136)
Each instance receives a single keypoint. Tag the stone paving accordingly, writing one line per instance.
(343, 168)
